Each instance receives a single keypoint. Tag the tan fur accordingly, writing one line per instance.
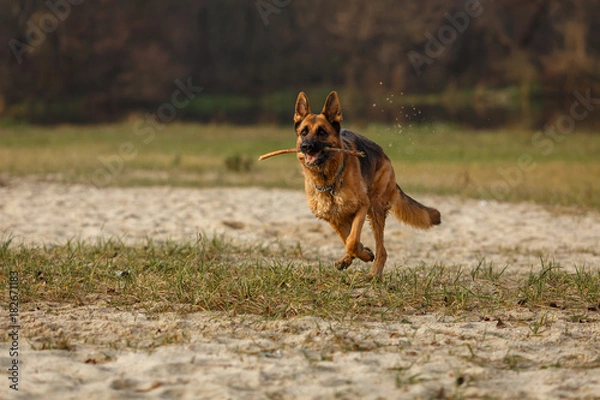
(411, 212)
(345, 190)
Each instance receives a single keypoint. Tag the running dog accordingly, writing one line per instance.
(344, 189)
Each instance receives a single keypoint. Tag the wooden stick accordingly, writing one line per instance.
(287, 151)
(346, 151)
(276, 153)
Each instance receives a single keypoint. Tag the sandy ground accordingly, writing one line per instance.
(215, 356)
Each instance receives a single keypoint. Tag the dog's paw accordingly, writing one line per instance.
(344, 262)
(375, 277)
(376, 273)
(367, 254)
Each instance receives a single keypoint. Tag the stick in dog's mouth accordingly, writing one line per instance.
(334, 149)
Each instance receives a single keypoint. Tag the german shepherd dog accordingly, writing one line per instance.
(344, 190)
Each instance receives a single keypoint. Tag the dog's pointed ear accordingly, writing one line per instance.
(332, 108)
(302, 108)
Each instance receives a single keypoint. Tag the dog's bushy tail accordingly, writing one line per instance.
(413, 213)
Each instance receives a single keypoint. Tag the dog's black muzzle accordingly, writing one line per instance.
(313, 151)
(311, 147)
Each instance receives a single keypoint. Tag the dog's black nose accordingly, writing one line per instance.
(308, 147)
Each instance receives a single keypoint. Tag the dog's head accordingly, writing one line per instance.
(316, 132)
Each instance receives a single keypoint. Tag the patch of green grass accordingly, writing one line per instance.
(437, 159)
(501, 165)
(216, 275)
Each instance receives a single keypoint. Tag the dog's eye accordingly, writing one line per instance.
(304, 132)
(321, 132)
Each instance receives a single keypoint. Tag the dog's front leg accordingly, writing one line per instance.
(354, 248)
(343, 230)
(349, 229)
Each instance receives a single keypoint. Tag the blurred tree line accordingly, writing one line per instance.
(87, 61)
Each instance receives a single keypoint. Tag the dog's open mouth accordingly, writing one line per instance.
(311, 158)
(315, 159)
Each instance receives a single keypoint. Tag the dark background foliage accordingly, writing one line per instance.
(96, 61)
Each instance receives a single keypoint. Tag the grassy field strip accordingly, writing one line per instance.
(501, 165)
(215, 275)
